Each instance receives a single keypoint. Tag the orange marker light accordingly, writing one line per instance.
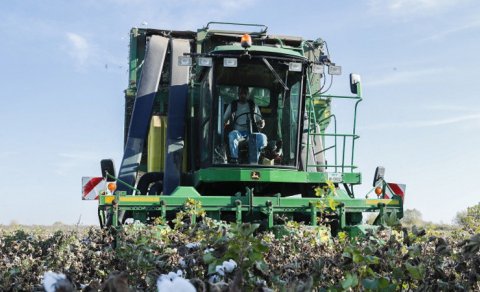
(246, 41)
(378, 191)
(112, 186)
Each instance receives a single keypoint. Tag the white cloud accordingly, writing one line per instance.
(403, 77)
(473, 118)
(444, 33)
(412, 7)
(79, 49)
(232, 5)
(415, 5)
(184, 15)
(451, 108)
(8, 154)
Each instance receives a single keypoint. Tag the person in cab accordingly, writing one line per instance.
(244, 119)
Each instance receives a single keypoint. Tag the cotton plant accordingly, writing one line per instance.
(183, 263)
(221, 270)
(208, 250)
(174, 281)
(193, 245)
(56, 281)
(226, 267)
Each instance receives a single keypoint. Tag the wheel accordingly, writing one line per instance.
(145, 184)
(235, 121)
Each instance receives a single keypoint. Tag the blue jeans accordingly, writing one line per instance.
(235, 136)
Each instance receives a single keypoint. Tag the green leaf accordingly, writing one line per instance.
(256, 256)
(357, 257)
(14, 271)
(259, 246)
(391, 219)
(370, 283)
(331, 186)
(383, 283)
(351, 280)
(416, 272)
(208, 258)
(248, 229)
(348, 249)
(211, 268)
(414, 250)
(370, 272)
(331, 203)
(342, 236)
(372, 260)
(319, 192)
(262, 267)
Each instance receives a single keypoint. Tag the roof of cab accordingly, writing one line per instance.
(259, 49)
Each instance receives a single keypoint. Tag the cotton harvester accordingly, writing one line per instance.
(177, 149)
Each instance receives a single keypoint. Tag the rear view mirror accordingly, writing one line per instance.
(379, 174)
(108, 168)
(354, 80)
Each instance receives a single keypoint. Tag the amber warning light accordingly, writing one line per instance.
(112, 187)
(246, 41)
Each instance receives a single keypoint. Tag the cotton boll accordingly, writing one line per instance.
(50, 280)
(172, 275)
(174, 282)
(208, 250)
(168, 277)
(164, 284)
(214, 279)
(182, 263)
(65, 285)
(192, 245)
(226, 267)
(183, 285)
(220, 270)
(229, 266)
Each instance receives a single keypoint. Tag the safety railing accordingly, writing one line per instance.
(340, 140)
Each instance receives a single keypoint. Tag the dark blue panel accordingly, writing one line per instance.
(177, 104)
(142, 111)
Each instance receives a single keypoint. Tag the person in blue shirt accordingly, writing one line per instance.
(246, 120)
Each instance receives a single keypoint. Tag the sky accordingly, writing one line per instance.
(64, 69)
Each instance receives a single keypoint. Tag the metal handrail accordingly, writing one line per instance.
(122, 182)
(265, 28)
(312, 118)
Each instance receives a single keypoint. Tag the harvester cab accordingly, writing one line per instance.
(236, 123)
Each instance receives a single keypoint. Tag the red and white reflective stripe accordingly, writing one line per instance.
(395, 189)
(92, 187)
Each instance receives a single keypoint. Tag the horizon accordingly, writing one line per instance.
(66, 69)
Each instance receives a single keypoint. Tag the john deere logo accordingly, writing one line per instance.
(255, 175)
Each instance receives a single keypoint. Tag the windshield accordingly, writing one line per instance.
(254, 114)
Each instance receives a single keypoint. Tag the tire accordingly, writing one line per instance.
(155, 178)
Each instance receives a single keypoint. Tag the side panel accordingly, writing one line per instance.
(142, 110)
(177, 108)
